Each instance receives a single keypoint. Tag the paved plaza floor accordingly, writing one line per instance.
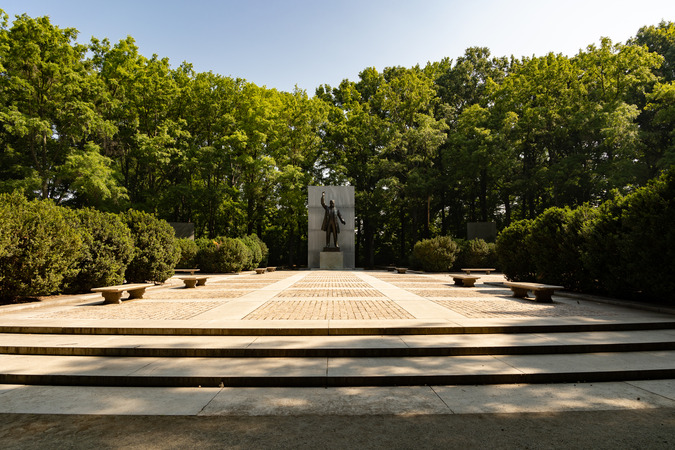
(246, 311)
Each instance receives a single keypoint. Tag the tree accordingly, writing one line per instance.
(50, 100)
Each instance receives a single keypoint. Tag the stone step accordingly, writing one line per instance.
(314, 372)
(336, 346)
(357, 328)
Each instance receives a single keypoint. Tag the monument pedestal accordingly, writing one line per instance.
(331, 260)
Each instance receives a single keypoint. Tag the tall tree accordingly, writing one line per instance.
(50, 101)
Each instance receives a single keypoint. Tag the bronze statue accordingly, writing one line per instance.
(330, 221)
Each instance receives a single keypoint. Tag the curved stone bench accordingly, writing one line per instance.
(113, 294)
(193, 281)
(542, 292)
(464, 280)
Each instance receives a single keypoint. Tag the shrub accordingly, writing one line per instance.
(556, 243)
(476, 253)
(222, 255)
(107, 250)
(514, 258)
(188, 253)
(631, 247)
(39, 248)
(256, 252)
(155, 250)
(205, 259)
(436, 254)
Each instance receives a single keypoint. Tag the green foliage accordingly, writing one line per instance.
(515, 259)
(106, 251)
(256, 252)
(476, 253)
(258, 249)
(556, 242)
(436, 254)
(39, 247)
(427, 149)
(630, 249)
(624, 248)
(155, 251)
(223, 255)
(188, 253)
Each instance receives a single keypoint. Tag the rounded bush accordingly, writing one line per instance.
(222, 255)
(513, 256)
(556, 243)
(476, 253)
(188, 253)
(436, 254)
(155, 250)
(39, 247)
(256, 252)
(107, 250)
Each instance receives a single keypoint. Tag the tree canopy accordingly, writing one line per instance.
(427, 149)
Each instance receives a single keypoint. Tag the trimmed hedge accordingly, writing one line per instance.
(515, 260)
(222, 255)
(155, 251)
(624, 248)
(107, 250)
(258, 249)
(39, 247)
(436, 254)
(188, 253)
(475, 253)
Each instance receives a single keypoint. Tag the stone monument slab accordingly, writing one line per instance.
(316, 238)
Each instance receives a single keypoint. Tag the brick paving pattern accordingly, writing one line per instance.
(456, 292)
(333, 284)
(499, 308)
(198, 293)
(136, 310)
(329, 293)
(329, 310)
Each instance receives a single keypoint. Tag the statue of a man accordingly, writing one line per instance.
(330, 221)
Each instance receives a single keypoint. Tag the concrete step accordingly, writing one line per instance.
(356, 328)
(316, 372)
(336, 346)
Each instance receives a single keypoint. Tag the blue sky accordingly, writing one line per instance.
(280, 44)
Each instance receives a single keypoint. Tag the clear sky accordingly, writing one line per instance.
(280, 44)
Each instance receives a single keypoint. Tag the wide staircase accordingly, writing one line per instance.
(350, 356)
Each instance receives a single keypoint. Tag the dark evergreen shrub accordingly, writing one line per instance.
(107, 250)
(436, 254)
(39, 247)
(478, 253)
(222, 255)
(188, 253)
(648, 239)
(557, 242)
(205, 259)
(155, 250)
(258, 249)
(514, 258)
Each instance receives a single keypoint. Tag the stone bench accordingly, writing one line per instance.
(487, 271)
(271, 269)
(113, 294)
(401, 269)
(193, 281)
(260, 270)
(190, 271)
(464, 280)
(542, 292)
